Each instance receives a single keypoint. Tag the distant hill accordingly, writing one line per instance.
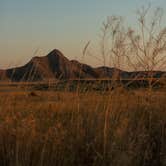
(56, 66)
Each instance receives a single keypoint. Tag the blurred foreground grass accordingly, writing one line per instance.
(119, 128)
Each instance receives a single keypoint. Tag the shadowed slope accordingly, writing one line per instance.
(56, 66)
(53, 66)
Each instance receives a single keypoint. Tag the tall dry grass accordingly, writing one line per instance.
(70, 128)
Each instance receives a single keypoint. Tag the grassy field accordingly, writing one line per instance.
(92, 128)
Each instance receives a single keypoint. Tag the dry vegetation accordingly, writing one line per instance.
(70, 128)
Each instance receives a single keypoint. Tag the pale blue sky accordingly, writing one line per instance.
(28, 25)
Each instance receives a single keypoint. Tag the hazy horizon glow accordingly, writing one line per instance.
(40, 26)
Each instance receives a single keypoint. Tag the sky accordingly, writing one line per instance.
(34, 27)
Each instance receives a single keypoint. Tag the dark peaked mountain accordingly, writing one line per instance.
(56, 66)
(53, 66)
